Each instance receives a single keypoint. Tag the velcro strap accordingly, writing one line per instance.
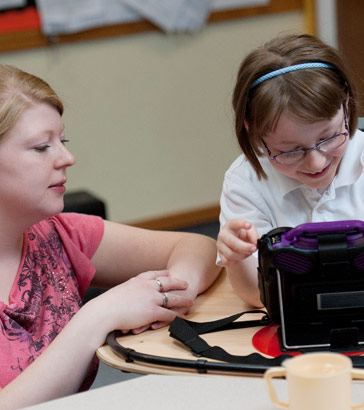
(187, 332)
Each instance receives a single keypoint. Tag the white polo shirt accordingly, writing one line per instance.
(283, 201)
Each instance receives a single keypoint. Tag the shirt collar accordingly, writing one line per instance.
(285, 184)
(352, 164)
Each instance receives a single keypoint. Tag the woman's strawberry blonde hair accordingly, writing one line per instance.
(19, 91)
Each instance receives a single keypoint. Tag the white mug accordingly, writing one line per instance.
(316, 381)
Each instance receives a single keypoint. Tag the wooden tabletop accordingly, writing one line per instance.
(217, 302)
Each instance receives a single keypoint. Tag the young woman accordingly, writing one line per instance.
(295, 119)
(48, 259)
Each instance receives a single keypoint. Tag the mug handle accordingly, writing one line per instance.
(268, 376)
(357, 374)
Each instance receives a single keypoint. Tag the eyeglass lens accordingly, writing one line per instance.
(325, 146)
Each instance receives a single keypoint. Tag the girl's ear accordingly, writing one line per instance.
(246, 125)
(347, 99)
(347, 103)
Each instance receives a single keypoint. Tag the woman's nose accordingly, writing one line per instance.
(64, 157)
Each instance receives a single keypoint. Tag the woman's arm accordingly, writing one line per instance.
(133, 302)
(59, 370)
(62, 367)
(126, 251)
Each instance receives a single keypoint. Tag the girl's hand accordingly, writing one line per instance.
(236, 241)
(138, 302)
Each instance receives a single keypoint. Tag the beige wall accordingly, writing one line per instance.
(149, 115)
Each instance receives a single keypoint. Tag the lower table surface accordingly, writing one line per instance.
(155, 392)
(217, 302)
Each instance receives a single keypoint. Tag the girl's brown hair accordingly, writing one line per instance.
(308, 95)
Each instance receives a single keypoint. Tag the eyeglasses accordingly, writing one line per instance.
(326, 145)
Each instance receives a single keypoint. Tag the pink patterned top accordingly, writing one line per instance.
(53, 276)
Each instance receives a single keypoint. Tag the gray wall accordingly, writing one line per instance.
(149, 115)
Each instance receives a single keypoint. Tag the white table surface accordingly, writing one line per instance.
(162, 392)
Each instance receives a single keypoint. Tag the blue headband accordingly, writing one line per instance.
(288, 70)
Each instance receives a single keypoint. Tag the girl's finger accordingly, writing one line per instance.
(171, 283)
(237, 224)
(171, 300)
(140, 329)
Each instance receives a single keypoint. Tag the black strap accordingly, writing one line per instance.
(187, 332)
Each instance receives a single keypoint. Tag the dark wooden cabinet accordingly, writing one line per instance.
(350, 25)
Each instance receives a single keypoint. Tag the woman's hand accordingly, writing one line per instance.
(180, 311)
(136, 303)
(236, 241)
(145, 299)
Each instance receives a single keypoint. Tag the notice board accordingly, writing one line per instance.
(20, 28)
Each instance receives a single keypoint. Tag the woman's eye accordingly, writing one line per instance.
(41, 148)
(65, 141)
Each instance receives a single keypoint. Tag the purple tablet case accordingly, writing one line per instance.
(311, 281)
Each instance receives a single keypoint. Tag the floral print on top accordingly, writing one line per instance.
(53, 276)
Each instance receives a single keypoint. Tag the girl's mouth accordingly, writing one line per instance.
(317, 174)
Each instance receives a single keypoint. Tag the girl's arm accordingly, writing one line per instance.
(237, 241)
(243, 276)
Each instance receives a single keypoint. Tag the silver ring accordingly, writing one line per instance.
(165, 300)
(160, 286)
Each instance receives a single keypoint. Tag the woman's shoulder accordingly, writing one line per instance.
(79, 229)
(76, 220)
(69, 221)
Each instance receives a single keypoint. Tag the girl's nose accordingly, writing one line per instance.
(315, 160)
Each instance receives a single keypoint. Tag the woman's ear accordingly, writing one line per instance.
(246, 125)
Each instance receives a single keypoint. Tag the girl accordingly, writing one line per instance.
(47, 259)
(295, 119)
